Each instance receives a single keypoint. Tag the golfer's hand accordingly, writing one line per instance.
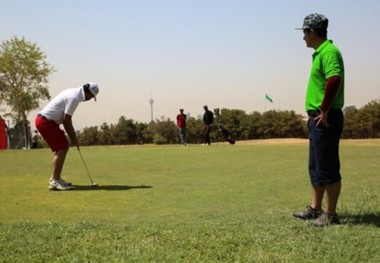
(74, 142)
(322, 119)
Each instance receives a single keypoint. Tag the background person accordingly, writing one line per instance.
(3, 134)
(324, 102)
(181, 125)
(35, 140)
(208, 120)
(60, 111)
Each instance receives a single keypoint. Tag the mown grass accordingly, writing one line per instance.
(186, 204)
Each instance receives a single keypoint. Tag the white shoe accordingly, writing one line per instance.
(58, 185)
(62, 182)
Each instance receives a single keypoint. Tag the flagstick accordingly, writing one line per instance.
(265, 98)
(265, 107)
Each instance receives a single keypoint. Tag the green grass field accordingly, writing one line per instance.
(186, 204)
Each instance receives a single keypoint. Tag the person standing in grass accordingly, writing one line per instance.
(181, 125)
(3, 134)
(208, 120)
(35, 140)
(60, 111)
(324, 103)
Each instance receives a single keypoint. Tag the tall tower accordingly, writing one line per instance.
(151, 101)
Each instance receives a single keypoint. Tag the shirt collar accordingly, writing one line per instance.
(322, 46)
(83, 98)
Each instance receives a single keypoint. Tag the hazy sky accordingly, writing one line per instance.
(188, 53)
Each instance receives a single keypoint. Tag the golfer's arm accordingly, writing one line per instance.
(69, 128)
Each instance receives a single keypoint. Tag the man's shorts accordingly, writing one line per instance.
(52, 134)
(324, 163)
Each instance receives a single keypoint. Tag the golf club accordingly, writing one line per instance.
(93, 184)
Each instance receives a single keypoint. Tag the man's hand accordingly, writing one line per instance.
(74, 141)
(322, 119)
(68, 125)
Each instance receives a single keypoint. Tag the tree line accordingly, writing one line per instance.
(359, 124)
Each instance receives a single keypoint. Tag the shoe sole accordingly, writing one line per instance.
(56, 189)
(311, 223)
(304, 218)
(299, 218)
(67, 183)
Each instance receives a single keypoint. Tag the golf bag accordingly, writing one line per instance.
(226, 134)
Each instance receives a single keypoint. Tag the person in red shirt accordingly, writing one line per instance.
(181, 125)
(3, 134)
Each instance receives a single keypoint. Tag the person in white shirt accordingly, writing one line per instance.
(60, 111)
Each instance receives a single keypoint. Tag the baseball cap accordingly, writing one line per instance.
(315, 21)
(94, 89)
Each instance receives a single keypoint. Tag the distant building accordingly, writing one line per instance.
(347, 108)
(151, 101)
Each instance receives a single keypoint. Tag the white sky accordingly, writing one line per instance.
(188, 53)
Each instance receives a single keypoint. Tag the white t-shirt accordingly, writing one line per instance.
(65, 102)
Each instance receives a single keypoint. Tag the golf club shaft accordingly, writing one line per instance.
(85, 166)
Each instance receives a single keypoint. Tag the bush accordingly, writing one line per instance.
(159, 139)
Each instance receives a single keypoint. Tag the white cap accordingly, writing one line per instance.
(94, 89)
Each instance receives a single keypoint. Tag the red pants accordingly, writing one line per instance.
(52, 134)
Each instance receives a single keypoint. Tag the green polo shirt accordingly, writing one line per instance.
(327, 62)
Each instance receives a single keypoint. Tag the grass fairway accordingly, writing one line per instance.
(186, 204)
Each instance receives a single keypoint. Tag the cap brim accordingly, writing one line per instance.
(93, 95)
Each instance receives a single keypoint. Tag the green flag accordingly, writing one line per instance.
(268, 98)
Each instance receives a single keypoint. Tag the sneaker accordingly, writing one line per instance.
(58, 186)
(308, 213)
(61, 181)
(325, 219)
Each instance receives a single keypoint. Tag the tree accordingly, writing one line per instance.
(253, 126)
(270, 125)
(291, 125)
(162, 131)
(107, 134)
(126, 131)
(235, 121)
(89, 136)
(194, 130)
(24, 75)
(371, 113)
(351, 123)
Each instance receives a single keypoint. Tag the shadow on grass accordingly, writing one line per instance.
(366, 219)
(110, 187)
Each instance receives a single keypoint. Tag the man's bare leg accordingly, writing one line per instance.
(317, 196)
(58, 161)
(332, 195)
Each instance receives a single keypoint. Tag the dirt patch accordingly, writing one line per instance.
(363, 142)
(275, 141)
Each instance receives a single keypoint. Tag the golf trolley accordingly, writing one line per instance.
(224, 135)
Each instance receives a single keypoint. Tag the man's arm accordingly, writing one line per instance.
(211, 117)
(332, 87)
(69, 128)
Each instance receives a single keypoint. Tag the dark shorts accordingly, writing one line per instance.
(52, 134)
(324, 163)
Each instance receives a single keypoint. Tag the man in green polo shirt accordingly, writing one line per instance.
(324, 102)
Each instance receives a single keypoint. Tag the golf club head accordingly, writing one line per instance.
(95, 184)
